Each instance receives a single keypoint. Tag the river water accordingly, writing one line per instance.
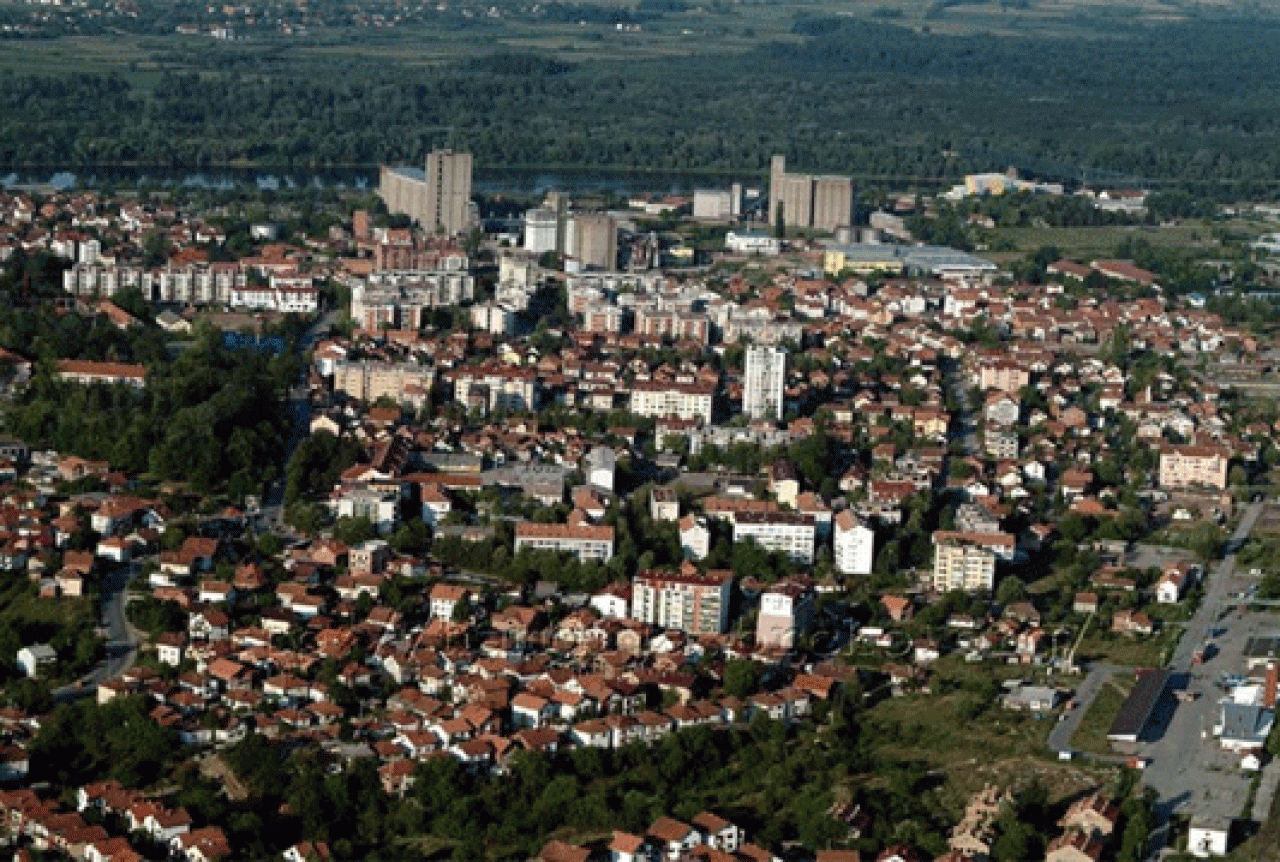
(488, 181)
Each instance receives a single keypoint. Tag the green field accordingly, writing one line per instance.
(1087, 243)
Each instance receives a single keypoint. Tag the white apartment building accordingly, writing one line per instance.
(691, 603)
(381, 507)
(786, 612)
(763, 381)
(788, 532)
(967, 561)
(1194, 466)
(586, 543)
(684, 400)
(854, 545)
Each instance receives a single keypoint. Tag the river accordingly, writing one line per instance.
(487, 181)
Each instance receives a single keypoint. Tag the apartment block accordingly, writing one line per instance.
(584, 542)
(763, 382)
(1194, 467)
(1004, 375)
(853, 544)
(786, 613)
(791, 533)
(967, 561)
(683, 400)
(438, 197)
(369, 380)
(689, 602)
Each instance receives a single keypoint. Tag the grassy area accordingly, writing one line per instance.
(1131, 650)
(996, 745)
(1091, 735)
(1086, 243)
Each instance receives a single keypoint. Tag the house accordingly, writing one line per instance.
(170, 647)
(32, 659)
(209, 624)
(1131, 622)
(1208, 836)
(900, 853)
(695, 538)
(559, 851)
(1173, 584)
(1085, 603)
(201, 845)
(674, 836)
(308, 851)
(445, 598)
(899, 608)
(627, 847)
(1031, 698)
(718, 832)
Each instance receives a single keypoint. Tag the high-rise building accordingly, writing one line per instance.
(853, 546)
(448, 192)
(688, 602)
(766, 371)
(438, 198)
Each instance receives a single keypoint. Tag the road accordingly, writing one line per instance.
(122, 638)
(1188, 771)
(1099, 675)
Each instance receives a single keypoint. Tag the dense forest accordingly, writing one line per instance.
(1152, 104)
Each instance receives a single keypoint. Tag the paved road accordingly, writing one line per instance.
(1188, 771)
(122, 638)
(1100, 673)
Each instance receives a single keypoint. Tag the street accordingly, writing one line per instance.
(1189, 772)
(122, 638)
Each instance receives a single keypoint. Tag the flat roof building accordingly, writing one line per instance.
(1136, 711)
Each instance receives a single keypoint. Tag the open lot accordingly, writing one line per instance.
(1091, 735)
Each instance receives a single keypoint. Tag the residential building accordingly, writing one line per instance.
(689, 602)
(586, 543)
(683, 400)
(853, 545)
(963, 561)
(1194, 467)
(786, 612)
(438, 198)
(763, 381)
(789, 532)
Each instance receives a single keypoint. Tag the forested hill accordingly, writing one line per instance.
(1186, 102)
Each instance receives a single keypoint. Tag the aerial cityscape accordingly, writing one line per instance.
(639, 432)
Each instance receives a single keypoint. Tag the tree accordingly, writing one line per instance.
(1011, 589)
(741, 677)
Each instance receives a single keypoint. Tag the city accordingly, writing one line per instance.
(729, 526)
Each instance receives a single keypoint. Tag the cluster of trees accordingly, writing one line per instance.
(213, 417)
(777, 782)
(869, 98)
(85, 741)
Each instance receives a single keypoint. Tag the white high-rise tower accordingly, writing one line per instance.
(763, 381)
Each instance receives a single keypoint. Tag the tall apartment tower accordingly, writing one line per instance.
(448, 192)
(763, 381)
